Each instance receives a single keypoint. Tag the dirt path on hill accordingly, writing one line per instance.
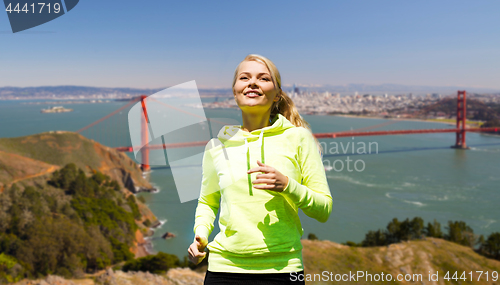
(47, 171)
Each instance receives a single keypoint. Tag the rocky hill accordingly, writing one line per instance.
(58, 189)
(324, 260)
(30, 161)
(36, 156)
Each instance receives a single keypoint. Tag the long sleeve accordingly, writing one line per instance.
(312, 195)
(208, 203)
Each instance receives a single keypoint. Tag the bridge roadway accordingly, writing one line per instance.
(330, 135)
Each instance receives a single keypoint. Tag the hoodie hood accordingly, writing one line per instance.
(234, 136)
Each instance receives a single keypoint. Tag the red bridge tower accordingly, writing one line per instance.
(461, 117)
(144, 136)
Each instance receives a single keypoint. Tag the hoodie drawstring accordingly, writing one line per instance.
(249, 178)
(260, 143)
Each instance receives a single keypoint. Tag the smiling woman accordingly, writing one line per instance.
(258, 199)
(254, 91)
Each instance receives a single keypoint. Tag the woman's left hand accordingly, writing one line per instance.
(275, 180)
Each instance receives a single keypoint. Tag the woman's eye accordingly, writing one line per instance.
(244, 77)
(266, 79)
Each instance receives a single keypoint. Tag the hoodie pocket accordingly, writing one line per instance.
(260, 226)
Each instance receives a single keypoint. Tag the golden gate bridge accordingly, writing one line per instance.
(461, 129)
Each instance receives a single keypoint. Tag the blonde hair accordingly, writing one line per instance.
(284, 105)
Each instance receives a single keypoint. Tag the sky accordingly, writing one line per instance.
(157, 44)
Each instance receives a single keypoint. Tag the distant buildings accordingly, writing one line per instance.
(400, 105)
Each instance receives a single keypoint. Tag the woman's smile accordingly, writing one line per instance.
(253, 93)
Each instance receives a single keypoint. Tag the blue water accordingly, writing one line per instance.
(404, 176)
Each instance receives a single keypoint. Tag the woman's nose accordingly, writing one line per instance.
(252, 82)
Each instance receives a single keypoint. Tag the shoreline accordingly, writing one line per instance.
(470, 125)
(146, 247)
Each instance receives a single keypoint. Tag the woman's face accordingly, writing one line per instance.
(254, 90)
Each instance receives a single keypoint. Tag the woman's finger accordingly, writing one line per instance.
(255, 169)
(260, 163)
(195, 249)
(191, 255)
(267, 181)
(192, 250)
(195, 256)
(267, 187)
(266, 175)
(264, 169)
(265, 166)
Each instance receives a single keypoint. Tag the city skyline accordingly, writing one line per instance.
(156, 45)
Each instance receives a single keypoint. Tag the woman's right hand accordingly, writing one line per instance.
(197, 249)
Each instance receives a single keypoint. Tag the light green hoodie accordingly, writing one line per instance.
(260, 230)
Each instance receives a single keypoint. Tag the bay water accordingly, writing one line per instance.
(380, 178)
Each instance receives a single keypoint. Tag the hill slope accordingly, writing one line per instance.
(62, 186)
(14, 168)
(414, 257)
(25, 157)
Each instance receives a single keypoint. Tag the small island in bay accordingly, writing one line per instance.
(56, 109)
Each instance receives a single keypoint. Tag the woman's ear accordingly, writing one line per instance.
(278, 96)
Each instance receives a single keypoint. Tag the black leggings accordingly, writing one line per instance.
(253, 278)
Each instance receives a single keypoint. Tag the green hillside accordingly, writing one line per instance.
(64, 207)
